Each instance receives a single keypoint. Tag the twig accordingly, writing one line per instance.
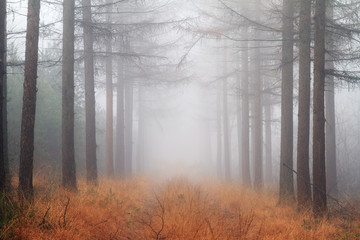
(43, 219)
(63, 225)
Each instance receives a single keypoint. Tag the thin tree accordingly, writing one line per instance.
(257, 127)
(29, 102)
(68, 147)
(120, 125)
(226, 117)
(141, 130)
(109, 97)
(245, 138)
(286, 155)
(3, 174)
(218, 120)
(303, 176)
(91, 165)
(330, 137)
(319, 175)
(268, 139)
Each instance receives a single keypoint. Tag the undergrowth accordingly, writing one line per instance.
(177, 209)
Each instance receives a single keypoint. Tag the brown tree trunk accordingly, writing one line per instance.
(226, 119)
(330, 136)
(120, 124)
(286, 155)
(91, 165)
(29, 102)
(303, 176)
(68, 147)
(258, 161)
(3, 174)
(109, 98)
(319, 175)
(245, 138)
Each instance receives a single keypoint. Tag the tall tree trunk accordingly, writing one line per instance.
(120, 124)
(286, 155)
(319, 175)
(330, 136)
(218, 119)
(226, 119)
(245, 138)
(91, 165)
(141, 130)
(258, 163)
(109, 98)
(303, 176)
(68, 145)
(29, 102)
(129, 98)
(238, 117)
(268, 140)
(3, 174)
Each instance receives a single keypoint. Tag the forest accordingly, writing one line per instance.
(179, 119)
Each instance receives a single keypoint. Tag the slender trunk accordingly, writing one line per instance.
(319, 175)
(141, 133)
(238, 117)
(3, 174)
(303, 176)
(129, 98)
(218, 125)
(258, 163)
(109, 98)
(68, 147)
(226, 120)
(29, 102)
(245, 138)
(268, 140)
(120, 125)
(330, 137)
(91, 165)
(286, 155)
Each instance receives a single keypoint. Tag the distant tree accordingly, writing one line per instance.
(286, 155)
(91, 164)
(109, 96)
(120, 122)
(257, 115)
(3, 172)
(303, 176)
(319, 175)
(218, 119)
(245, 138)
(29, 102)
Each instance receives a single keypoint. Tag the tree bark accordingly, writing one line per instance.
(245, 138)
(120, 124)
(109, 98)
(319, 175)
(257, 128)
(68, 145)
(330, 136)
(91, 165)
(286, 155)
(3, 173)
(303, 176)
(29, 103)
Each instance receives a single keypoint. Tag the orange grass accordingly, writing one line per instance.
(176, 209)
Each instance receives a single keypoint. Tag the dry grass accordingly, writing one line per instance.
(177, 209)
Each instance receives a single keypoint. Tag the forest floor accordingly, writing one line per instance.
(175, 209)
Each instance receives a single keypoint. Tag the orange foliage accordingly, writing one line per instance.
(177, 209)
